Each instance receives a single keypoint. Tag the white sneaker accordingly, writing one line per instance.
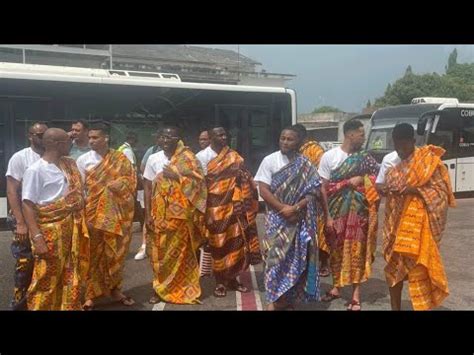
(141, 253)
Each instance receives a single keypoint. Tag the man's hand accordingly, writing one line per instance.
(288, 212)
(329, 224)
(356, 181)
(149, 222)
(116, 185)
(21, 232)
(40, 247)
(169, 173)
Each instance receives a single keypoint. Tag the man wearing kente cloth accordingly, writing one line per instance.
(314, 152)
(418, 193)
(53, 207)
(110, 184)
(175, 203)
(232, 206)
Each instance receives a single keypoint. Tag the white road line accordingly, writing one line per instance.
(238, 298)
(256, 292)
(159, 306)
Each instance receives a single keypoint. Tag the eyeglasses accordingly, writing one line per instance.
(39, 135)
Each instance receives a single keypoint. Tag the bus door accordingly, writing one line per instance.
(465, 161)
(4, 155)
(445, 133)
(249, 129)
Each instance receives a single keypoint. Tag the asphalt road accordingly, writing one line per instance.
(457, 249)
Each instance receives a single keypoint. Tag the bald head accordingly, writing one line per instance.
(56, 139)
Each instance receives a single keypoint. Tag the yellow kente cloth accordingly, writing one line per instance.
(177, 209)
(313, 151)
(413, 226)
(109, 216)
(232, 207)
(57, 278)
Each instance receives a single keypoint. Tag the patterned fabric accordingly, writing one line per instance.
(354, 211)
(109, 215)
(291, 249)
(413, 226)
(177, 209)
(232, 207)
(24, 261)
(57, 279)
(313, 151)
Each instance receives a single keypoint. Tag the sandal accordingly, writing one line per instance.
(324, 272)
(126, 301)
(220, 291)
(154, 299)
(352, 304)
(88, 307)
(329, 297)
(234, 285)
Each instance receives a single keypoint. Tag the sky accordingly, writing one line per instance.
(346, 76)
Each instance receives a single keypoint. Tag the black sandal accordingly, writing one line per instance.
(234, 285)
(354, 303)
(86, 307)
(127, 301)
(220, 291)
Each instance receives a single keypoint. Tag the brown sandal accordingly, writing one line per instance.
(329, 297)
(352, 304)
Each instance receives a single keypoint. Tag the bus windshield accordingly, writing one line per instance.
(381, 139)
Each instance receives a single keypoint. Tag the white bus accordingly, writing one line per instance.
(139, 102)
(444, 122)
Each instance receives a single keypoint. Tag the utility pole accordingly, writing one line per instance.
(111, 60)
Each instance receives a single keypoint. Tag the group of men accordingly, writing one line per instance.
(74, 200)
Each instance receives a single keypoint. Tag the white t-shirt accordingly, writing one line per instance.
(20, 161)
(330, 161)
(390, 160)
(43, 183)
(205, 156)
(87, 161)
(155, 164)
(270, 165)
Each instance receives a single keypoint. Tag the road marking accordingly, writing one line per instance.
(159, 306)
(238, 298)
(258, 300)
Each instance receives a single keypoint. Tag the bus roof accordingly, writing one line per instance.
(403, 111)
(116, 77)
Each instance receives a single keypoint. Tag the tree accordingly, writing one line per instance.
(324, 109)
(453, 59)
(408, 71)
(369, 104)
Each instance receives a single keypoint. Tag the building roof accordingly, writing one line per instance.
(182, 53)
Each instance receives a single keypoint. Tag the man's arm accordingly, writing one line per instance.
(14, 199)
(147, 184)
(40, 247)
(324, 196)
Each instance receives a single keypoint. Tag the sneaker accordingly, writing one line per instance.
(141, 253)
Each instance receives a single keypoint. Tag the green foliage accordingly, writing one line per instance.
(324, 109)
(458, 82)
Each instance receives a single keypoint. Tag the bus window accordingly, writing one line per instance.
(444, 136)
(466, 138)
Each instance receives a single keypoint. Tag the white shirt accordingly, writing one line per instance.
(205, 156)
(390, 160)
(155, 165)
(43, 183)
(20, 161)
(270, 165)
(87, 161)
(330, 161)
(128, 152)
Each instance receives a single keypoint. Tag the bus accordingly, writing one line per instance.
(443, 122)
(140, 102)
